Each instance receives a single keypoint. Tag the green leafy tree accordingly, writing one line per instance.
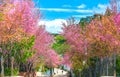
(118, 65)
(60, 46)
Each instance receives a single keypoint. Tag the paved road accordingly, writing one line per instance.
(57, 73)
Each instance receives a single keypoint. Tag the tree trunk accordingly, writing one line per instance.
(51, 72)
(70, 73)
(77, 73)
(114, 64)
(101, 66)
(2, 66)
(107, 65)
(12, 63)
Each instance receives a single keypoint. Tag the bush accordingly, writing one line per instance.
(8, 71)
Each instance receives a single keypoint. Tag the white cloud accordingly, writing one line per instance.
(53, 26)
(66, 10)
(101, 8)
(80, 16)
(81, 6)
(66, 5)
(55, 9)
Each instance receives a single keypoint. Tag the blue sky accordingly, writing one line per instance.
(54, 12)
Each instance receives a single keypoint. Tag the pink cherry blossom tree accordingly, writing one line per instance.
(19, 21)
(100, 38)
